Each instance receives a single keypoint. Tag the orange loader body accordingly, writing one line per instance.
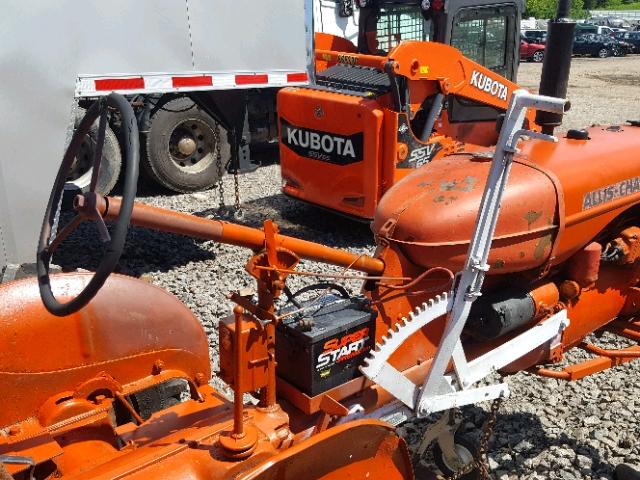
(346, 141)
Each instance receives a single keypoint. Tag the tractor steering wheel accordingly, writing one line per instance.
(87, 205)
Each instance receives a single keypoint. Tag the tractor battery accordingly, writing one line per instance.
(322, 345)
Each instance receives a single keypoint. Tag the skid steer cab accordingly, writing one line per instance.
(397, 100)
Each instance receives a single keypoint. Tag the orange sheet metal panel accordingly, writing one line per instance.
(436, 209)
(330, 149)
(128, 327)
(366, 449)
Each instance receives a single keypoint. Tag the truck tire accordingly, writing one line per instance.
(180, 147)
(82, 168)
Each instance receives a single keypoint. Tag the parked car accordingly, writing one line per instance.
(602, 30)
(533, 52)
(596, 45)
(613, 22)
(622, 47)
(630, 37)
(585, 28)
(535, 36)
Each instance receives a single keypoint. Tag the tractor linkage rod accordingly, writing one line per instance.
(233, 234)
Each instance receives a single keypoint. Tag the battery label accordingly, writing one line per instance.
(341, 349)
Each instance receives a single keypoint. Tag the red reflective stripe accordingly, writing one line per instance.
(297, 77)
(120, 83)
(251, 79)
(198, 81)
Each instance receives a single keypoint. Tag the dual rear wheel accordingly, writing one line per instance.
(182, 147)
(180, 151)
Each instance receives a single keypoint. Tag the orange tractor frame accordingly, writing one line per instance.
(106, 376)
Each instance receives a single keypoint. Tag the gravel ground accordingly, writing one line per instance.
(547, 428)
(601, 91)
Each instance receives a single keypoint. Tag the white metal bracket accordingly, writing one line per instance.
(472, 276)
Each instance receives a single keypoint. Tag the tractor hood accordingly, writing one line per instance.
(435, 210)
(559, 197)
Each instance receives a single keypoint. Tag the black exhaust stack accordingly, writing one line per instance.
(557, 63)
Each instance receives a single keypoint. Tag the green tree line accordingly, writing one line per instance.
(547, 8)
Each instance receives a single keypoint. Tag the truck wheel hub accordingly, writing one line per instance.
(186, 146)
(191, 145)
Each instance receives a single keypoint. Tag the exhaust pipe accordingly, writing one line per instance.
(557, 63)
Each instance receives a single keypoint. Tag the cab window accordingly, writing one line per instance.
(398, 23)
(485, 35)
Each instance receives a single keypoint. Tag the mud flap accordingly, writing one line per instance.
(360, 449)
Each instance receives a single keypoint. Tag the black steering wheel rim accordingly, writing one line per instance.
(115, 246)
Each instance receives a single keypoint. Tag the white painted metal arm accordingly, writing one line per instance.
(440, 391)
(472, 276)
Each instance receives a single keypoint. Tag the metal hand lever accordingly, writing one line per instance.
(537, 135)
(524, 99)
(469, 285)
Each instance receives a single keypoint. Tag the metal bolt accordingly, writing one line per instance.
(158, 366)
(186, 146)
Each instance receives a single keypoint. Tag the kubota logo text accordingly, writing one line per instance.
(489, 85)
(316, 141)
(324, 146)
(339, 350)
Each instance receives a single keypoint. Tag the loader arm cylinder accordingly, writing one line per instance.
(372, 61)
(433, 62)
(239, 235)
(434, 113)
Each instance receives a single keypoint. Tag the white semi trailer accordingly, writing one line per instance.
(58, 56)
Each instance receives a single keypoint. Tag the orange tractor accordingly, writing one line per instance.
(485, 261)
(380, 110)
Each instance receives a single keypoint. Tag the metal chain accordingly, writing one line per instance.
(218, 154)
(237, 211)
(480, 460)
(238, 214)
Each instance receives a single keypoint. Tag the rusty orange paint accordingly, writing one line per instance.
(67, 381)
(77, 370)
(184, 224)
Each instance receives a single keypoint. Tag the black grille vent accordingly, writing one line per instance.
(352, 79)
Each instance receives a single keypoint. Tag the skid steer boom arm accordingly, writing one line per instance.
(453, 73)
